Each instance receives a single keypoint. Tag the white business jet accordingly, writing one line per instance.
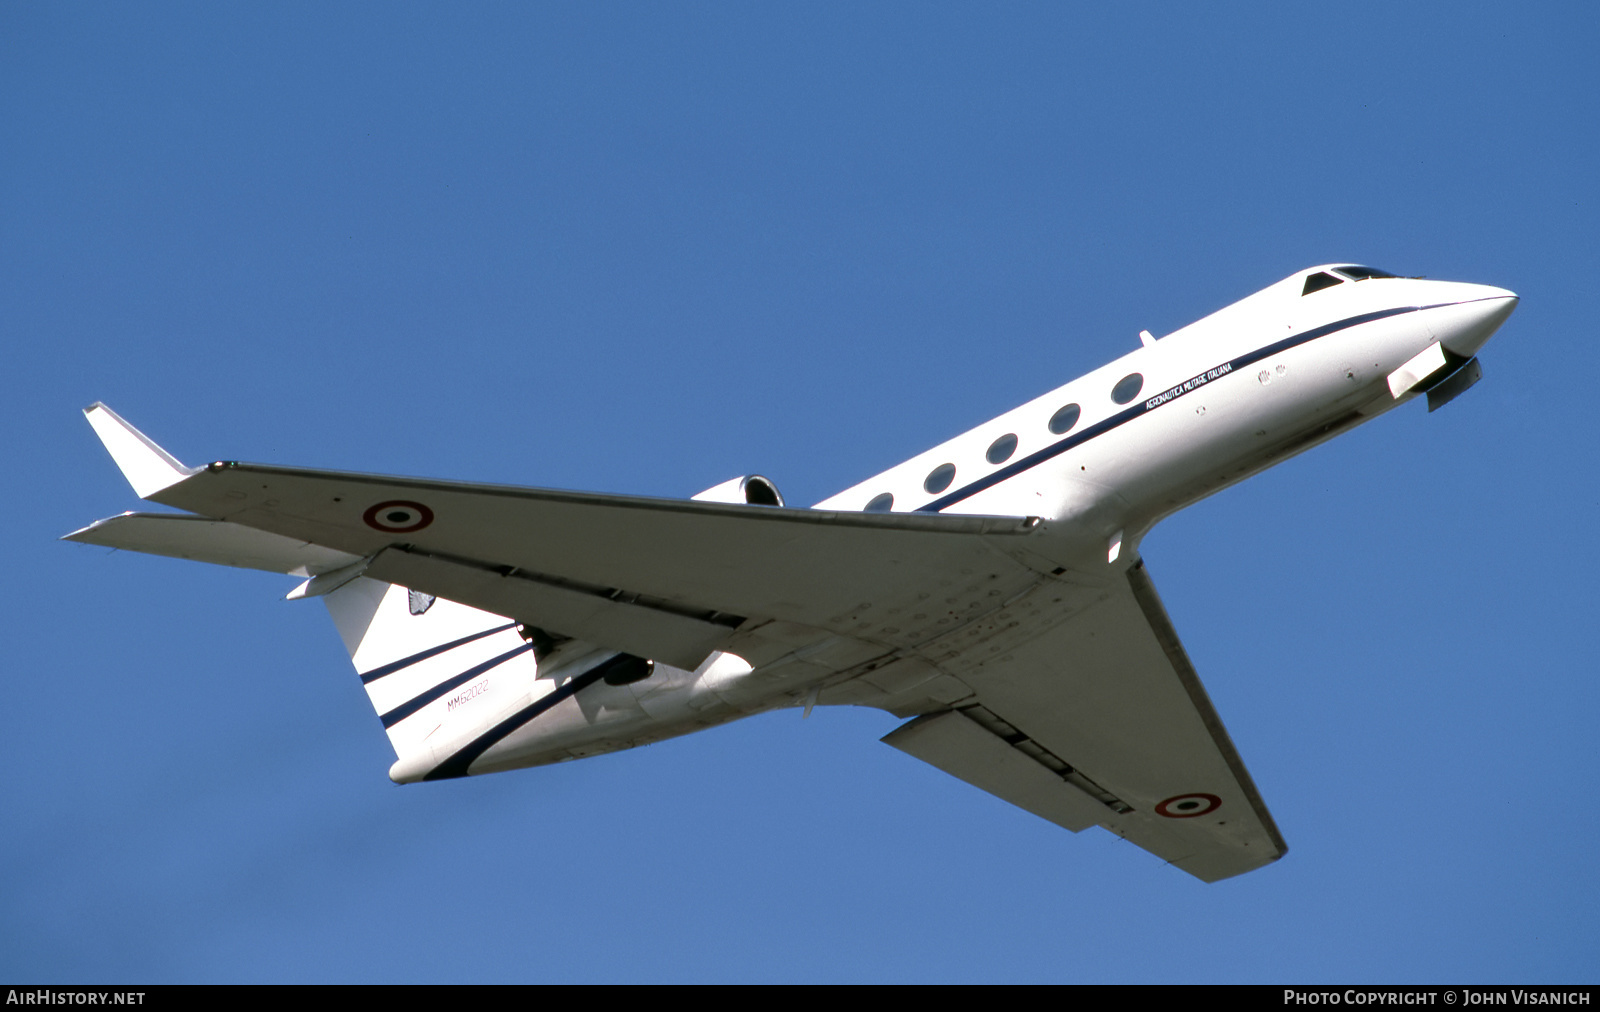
(989, 590)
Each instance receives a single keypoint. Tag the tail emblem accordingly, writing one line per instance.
(418, 602)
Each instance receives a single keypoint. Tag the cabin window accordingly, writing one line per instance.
(939, 478)
(1127, 388)
(881, 503)
(1318, 281)
(1001, 449)
(1064, 419)
(1363, 273)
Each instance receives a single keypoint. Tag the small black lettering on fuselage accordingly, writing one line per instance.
(477, 689)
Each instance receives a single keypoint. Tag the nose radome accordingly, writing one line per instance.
(1491, 292)
(1466, 324)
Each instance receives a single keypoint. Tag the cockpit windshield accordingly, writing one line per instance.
(1318, 281)
(1355, 273)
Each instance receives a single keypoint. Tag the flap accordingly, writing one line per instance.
(962, 748)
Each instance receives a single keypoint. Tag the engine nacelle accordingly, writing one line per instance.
(751, 489)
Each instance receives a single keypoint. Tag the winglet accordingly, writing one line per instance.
(148, 467)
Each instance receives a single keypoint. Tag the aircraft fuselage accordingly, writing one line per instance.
(1156, 430)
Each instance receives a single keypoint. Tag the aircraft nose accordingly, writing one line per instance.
(1466, 323)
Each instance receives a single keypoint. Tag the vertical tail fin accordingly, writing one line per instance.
(436, 671)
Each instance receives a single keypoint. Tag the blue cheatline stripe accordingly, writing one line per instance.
(416, 703)
(456, 765)
(367, 678)
(1151, 403)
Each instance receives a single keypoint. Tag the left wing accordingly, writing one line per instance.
(664, 578)
(802, 595)
(659, 578)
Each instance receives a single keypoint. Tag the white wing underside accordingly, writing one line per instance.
(1059, 689)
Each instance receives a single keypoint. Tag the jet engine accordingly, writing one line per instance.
(751, 489)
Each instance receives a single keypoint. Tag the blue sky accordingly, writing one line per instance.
(643, 248)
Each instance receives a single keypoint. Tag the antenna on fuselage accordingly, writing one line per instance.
(1146, 338)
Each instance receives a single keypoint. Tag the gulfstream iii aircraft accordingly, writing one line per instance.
(990, 590)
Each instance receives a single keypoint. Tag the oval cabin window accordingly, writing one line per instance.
(1001, 449)
(1127, 388)
(1064, 419)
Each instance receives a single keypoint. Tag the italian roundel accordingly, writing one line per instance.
(1187, 806)
(398, 517)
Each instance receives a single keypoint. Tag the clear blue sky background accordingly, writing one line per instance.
(646, 247)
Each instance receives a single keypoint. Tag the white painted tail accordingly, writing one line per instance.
(437, 672)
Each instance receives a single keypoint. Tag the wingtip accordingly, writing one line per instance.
(148, 467)
(83, 534)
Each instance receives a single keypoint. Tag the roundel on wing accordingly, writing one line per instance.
(1188, 806)
(398, 517)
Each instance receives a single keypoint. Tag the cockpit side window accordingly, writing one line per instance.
(1363, 273)
(1318, 281)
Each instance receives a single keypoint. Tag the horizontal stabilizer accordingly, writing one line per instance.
(148, 467)
(183, 536)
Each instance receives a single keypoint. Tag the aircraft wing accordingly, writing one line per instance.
(669, 579)
(1101, 719)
